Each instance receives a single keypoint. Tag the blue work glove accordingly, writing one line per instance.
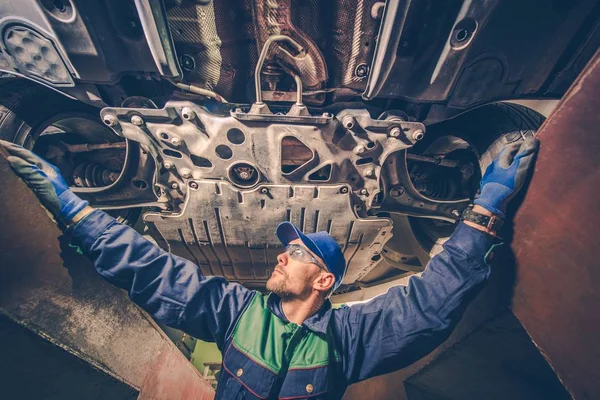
(505, 176)
(46, 182)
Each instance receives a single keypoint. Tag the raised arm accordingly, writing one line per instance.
(170, 288)
(401, 326)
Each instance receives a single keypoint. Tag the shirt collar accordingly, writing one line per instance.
(317, 322)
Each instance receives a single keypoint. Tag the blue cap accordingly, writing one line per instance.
(321, 244)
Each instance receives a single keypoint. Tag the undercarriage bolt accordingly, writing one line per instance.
(455, 213)
(188, 114)
(110, 120)
(174, 185)
(168, 165)
(264, 190)
(137, 120)
(344, 189)
(396, 191)
(176, 142)
(348, 122)
(364, 192)
(185, 173)
(395, 132)
(359, 149)
(370, 173)
(194, 185)
(418, 134)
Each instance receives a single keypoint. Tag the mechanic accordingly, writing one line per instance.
(292, 343)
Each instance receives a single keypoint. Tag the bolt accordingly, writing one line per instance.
(185, 173)
(344, 189)
(455, 213)
(359, 149)
(176, 142)
(326, 115)
(418, 134)
(361, 70)
(364, 192)
(348, 122)
(369, 173)
(187, 62)
(188, 114)
(238, 110)
(110, 120)
(194, 185)
(264, 190)
(168, 165)
(137, 120)
(396, 191)
(245, 175)
(395, 132)
(174, 185)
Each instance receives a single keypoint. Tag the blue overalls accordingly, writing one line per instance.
(265, 355)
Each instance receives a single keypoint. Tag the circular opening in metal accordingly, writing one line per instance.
(224, 152)
(243, 174)
(236, 136)
(59, 9)
(139, 184)
(164, 136)
(463, 33)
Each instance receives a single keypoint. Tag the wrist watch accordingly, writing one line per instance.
(493, 223)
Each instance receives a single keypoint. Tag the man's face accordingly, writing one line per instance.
(292, 278)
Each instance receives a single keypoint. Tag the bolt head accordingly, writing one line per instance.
(110, 120)
(264, 190)
(137, 120)
(361, 70)
(344, 189)
(396, 191)
(348, 122)
(369, 172)
(168, 165)
(395, 132)
(188, 114)
(176, 141)
(194, 185)
(364, 192)
(418, 134)
(174, 185)
(360, 149)
(455, 213)
(185, 173)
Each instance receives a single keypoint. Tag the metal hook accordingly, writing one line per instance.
(261, 61)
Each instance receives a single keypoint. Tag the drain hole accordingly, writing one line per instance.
(139, 184)
(201, 161)
(172, 153)
(363, 161)
(236, 136)
(224, 152)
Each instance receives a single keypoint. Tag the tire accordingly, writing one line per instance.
(25, 110)
(487, 130)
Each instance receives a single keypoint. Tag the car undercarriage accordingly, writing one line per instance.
(206, 123)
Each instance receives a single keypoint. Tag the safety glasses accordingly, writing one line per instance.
(301, 253)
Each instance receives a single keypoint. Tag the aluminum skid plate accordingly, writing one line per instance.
(231, 232)
(225, 220)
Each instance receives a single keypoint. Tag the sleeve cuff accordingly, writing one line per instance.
(86, 231)
(472, 241)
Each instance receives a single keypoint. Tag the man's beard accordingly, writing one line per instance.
(281, 288)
